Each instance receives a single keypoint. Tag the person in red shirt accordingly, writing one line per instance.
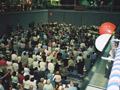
(2, 62)
(50, 35)
(21, 77)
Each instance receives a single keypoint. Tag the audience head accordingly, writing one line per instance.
(57, 72)
(32, 79)
(48, 81)
(35, 59)
(14, 74)
(14, 52)
(31, 87)
(71, 84)
(36, 68)
(80, 54)
(51, 72)
(42, 80)
(22, 72)
(24, 53)
(27, 77)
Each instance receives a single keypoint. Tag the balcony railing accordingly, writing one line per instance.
(24, 7)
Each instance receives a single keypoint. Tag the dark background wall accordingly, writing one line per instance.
(76, 18)
(79, 18)
(22, 18)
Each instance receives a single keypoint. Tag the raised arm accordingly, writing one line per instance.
(6, 74)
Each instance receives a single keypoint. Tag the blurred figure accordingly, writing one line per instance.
(50, 76)
(57, 78)
(41, 84)
(107, 70)
(72, 86)
(70, 65)
(87, 63)
(48, 86)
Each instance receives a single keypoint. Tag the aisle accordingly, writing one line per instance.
(98, 80)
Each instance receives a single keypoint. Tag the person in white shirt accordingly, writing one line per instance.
(55, 53)
(33, 83)
(48, 86)
(35, 63)
(45, 37)
(19, 59)
(25, 52)
(82, 45)
(30, 61)
(51, 66)
(34, 55)
(85, 53)
(39, 45)
(72, 42)
(49, 56)
(14, 56)
(38, 56)
(43, 65)
(9, 64)
(26, 82)
(26, 71)
(36, 49)
(15, 66)
(57, 48)
(90, 49)
(79, 58)
(57, 78)
(49, 49)
(46, 52)
(14, 79)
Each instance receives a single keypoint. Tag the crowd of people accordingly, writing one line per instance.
(41, 57)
